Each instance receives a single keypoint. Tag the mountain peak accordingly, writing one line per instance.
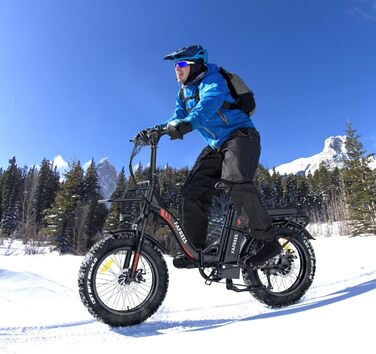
(335, 145)
(104, 160)
(333, 154)
(107, 173)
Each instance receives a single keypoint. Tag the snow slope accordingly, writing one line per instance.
(332, 155)
(40, 310)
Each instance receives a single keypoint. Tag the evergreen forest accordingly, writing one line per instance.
(38, 206)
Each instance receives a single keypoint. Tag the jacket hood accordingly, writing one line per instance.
(209, 69)
(196, 70)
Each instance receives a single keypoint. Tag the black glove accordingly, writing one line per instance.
(177, 131)
(142, 138)
(148, 136)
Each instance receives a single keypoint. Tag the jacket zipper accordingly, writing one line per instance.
(210, 132)
(223, 117)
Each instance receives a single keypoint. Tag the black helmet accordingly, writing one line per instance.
(194, 53)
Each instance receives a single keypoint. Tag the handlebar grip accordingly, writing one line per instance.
(147, 135)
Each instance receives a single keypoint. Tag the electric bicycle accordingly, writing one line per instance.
(124, 278)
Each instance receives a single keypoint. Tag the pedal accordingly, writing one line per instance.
(239, 288)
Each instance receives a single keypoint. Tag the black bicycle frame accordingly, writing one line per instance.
(226, 256)
(231, 237)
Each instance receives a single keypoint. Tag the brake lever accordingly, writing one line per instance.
(153, 135)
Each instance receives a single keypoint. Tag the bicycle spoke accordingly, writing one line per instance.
(112, 285)
(284, 277)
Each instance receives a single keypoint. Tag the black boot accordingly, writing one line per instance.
(182, 261)
(270, 249)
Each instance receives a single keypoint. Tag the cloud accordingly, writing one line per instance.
(364, 9)
(60, 163)
(86, 165)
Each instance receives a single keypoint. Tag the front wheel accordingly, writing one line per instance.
(285, 279)
(107, 290)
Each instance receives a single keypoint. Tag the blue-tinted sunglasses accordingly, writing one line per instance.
(183, 64)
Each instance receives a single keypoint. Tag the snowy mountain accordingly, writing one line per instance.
(333, 154)
(107, 173)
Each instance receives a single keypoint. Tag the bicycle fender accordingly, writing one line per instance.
(299, 229)
(149, 239)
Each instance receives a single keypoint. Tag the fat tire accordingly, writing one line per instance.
(300, 287)
(89, 295)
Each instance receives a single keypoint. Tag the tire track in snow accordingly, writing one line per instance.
(169, 322)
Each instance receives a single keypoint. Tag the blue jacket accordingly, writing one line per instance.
(213, 123)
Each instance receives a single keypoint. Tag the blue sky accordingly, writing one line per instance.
(78, 78)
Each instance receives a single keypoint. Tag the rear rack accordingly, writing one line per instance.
(283, 212)
(289, 215)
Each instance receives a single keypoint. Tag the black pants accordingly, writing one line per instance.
(236, 163)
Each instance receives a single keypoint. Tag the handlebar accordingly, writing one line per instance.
(149, 136)
(146, 137)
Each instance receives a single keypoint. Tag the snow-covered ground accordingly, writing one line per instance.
(41, 312)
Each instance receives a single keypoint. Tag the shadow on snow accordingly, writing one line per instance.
(156, 328)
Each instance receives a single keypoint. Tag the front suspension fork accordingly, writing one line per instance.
(133, 269)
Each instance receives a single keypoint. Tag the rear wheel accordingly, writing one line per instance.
(287, 277)
(107, 290)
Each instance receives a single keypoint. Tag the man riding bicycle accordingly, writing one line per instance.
(229, 160)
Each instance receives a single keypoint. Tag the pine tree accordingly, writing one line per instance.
(113, 218)
(28, 227)
(1, 188)
(336, 203)
(139, 173)
(321, 183)
(92, 213)
(359, 184)
(11, 198)
(47, 186)
(263, 183)
(276, 196)
(61, 218)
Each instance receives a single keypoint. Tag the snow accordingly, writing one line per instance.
(372, 164)
(41, 311)
(329, 229)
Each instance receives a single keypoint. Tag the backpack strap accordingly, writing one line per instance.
(184, 99)
(235, 105)
(227, 105)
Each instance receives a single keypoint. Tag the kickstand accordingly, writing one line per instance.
(270, 287)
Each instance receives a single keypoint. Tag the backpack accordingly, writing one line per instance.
(243, 96)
